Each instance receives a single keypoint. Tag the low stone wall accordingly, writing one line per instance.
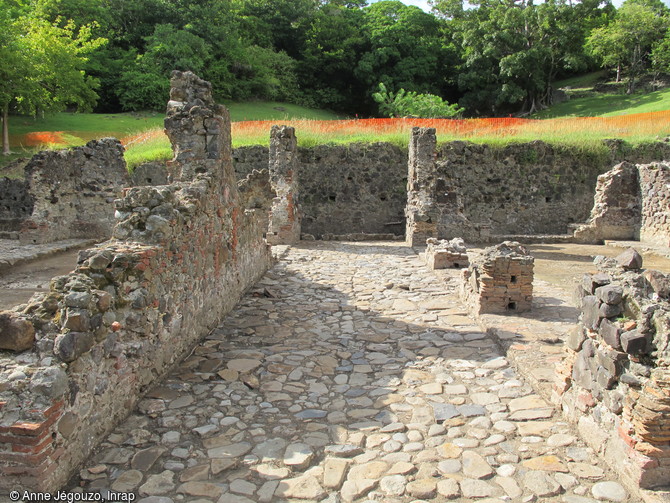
(615, 379)
(73, 191)
(531, 188)
(182, 256)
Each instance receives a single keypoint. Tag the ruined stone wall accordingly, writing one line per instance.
(16, 204)
(285, 217)
(655, 204)
(530, 188)
(73, 191)
(182, 256)
(344, 188)
(630, 202)
(616, 207)
(615, 378)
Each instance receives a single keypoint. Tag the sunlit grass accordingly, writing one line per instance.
(585, 133)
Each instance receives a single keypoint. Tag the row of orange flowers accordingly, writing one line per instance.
(621, 125)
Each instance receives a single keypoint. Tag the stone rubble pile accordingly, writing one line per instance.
(444, 254)
(615, 379)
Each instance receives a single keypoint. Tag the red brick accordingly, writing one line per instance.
(33, 429)
(24, 440)
(33, 448)
(24, 458)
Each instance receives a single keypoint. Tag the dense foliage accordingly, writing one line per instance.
(492, 57)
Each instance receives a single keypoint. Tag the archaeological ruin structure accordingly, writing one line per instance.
(499, 280)
(65, 194)
(614, 382)
(284, 227)
(181, 257)
(180, 243)
(631, 202)
(443, 254)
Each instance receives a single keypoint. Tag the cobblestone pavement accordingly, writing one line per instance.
(349, 373)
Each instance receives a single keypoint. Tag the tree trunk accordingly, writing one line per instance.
(618, 72)
(5, 130)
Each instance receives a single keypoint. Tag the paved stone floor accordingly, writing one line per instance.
(349, 373)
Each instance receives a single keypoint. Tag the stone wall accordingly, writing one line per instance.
(630, 202)
(73, 191)
(530, 188)
(344, 188)
(615, 378)
(16, 204)
(182, 256)
(616, 207)
(655, 204)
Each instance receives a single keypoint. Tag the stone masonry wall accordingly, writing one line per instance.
(615, 378)
(630, 202)
(16, 204)
(344, 188)
(530, 188)
(616, 207)
(285, 217)
(655, 205)
(182, 256)
(73, 191)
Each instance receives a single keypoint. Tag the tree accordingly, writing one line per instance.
(511, 51)
(42, 67)
(412, 104)
(334, 43)
(627, 41)
(404, 49)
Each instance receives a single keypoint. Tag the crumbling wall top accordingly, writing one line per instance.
(507, 249)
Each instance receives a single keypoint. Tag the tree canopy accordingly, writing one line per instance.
(43, 64)
(492, 57)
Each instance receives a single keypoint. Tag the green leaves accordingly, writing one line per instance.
(628, 40)
(412, 104)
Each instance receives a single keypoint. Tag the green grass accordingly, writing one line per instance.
(585, 81)
(268, 110)
(79, 128)
(607, 105)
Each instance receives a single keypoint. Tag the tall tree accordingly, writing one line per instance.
(333, 45)
(511, 51)
(627, 41)
(404, 49)
(42, 67)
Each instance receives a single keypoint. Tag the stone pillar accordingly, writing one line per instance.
(199, 130)
(421, 211)
(285, 217)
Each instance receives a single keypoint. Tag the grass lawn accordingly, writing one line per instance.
(585, 81)
(608, 105)
(28, 134)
